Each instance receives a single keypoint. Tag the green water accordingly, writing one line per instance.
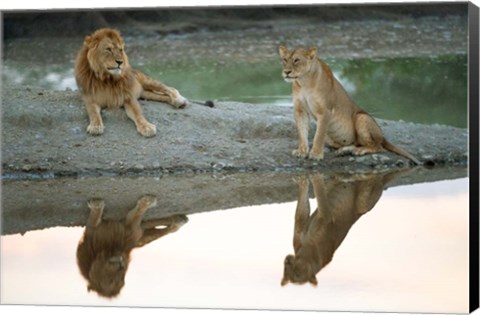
(425, 90)
(422, 90)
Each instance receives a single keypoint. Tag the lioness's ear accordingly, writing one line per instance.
(282, 50)
(312, 52)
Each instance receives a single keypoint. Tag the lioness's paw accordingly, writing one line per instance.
(345, 151)
(147, 201)
(95, 130)
(300, 153)
(147, 130)
(301, 180)
(317, 156)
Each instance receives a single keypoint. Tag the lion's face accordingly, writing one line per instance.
(298, 271)
(297, 62)
(107, 275)
(106, 53)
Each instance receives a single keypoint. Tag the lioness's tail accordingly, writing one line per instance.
(392, 148)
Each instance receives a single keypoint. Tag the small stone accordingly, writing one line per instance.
(139, 167)
(27, 168)
(427, 157)
(76, 130)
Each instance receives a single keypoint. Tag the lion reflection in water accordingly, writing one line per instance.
(103, 253)
(340, 202)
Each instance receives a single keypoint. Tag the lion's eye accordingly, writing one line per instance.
(109, 49)
(296, 61)
(285, 60)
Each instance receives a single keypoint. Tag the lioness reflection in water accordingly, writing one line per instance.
(316, 237)
(103, 253)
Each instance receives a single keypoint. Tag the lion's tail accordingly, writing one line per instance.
(392, 148)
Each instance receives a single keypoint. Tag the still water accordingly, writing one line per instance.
(404, 249)
(423, 89)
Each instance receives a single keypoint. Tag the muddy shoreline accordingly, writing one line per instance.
(44, 136)
(38, 204)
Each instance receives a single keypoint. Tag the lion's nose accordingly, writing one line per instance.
(118, 260)
(287, 72)
(119, 62)
(289, 260)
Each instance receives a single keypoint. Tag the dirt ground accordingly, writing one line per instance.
(44, 135)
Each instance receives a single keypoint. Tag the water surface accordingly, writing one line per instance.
(409, 253)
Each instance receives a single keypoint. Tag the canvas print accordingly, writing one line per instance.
(301, 157)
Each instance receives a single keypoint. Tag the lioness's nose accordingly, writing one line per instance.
(287, 72)
(119, 62)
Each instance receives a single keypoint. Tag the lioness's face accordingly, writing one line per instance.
(106, 53)
(296, 62)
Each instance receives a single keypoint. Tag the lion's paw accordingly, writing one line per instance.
(178, 101)
(148, 201)
(177, 222)
(95, 130)
(96, 203)
(148, 130)
(180, 219)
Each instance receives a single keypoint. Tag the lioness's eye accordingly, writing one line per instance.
(296, 61)
(284, 60)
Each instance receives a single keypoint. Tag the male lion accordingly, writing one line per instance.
(341, 124)
(106, 80)
(340, 203)
(103, 253)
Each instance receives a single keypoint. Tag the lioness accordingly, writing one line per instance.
(340, 203)
(103, 253)
(341, 124)
(106, 80)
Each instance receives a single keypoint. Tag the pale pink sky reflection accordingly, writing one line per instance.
(408, 254)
